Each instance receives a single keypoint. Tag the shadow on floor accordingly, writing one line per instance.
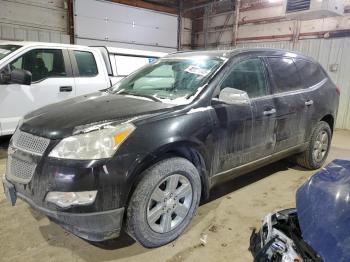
(122, 247)
(250, 178)
(4, 143)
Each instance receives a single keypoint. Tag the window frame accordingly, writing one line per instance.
(237, 60)
(273, 82)
(66, 61)
(75, 67)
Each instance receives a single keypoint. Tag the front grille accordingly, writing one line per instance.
(19, 170)
(298, 5)
(30, 143)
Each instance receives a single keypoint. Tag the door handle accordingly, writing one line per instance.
(66, 88)
(309, 102)
(270, 112)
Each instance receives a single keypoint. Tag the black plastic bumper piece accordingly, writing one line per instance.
(97, 227)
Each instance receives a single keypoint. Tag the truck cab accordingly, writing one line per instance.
(58, 72)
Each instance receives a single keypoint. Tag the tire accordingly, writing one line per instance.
(308, 159)
(148, 214)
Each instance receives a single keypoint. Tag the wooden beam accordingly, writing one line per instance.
(71, 22)
(147, 5)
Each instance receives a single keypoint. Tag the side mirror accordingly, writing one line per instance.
(20, 76)
(233, 96)
(4, 78)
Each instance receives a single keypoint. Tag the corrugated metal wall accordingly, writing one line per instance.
(34, 20)
(329, 52)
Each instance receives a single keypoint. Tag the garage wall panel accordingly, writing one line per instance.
(34, 20)
(331, 53)
(27, 34)
(37, 14)
(111, 22)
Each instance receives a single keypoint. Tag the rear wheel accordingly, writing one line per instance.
(164, 202)
(318, 149)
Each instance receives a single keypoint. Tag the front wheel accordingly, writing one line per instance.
(164, 202)
(318, 149)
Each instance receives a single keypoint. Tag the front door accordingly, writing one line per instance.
(244, 132)
(52, 82)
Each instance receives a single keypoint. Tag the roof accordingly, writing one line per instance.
(233, 52)
(29, 44)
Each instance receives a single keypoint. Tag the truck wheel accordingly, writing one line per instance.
(319, 144)
(164, 202)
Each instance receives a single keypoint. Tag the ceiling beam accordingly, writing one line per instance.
(147, 5)
(171, 4)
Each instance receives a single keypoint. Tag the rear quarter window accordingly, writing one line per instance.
(285, 74)
(310, 73)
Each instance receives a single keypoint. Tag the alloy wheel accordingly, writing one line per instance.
(320, 146)
(169, 203)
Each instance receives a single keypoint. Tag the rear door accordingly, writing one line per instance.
(313, 79)
(52, 81)
(289, 101)
(90, 72)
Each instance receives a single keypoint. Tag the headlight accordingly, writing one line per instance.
(96, 144)
(68, 199)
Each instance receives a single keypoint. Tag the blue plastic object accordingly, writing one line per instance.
(323, 205)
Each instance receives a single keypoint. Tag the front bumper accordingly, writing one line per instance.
(95, 226)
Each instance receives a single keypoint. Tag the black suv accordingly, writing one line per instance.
(143, 153)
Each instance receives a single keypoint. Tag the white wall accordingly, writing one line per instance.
(34, 20)
(124, 26)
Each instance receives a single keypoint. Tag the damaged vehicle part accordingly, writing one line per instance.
(323, 211)
(318, 229)
(142, 154)
(280, 240)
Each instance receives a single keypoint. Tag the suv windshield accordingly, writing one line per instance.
(5, 50)
(170, 80)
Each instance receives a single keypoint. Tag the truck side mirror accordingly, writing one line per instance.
(20, 76)
(230, 95)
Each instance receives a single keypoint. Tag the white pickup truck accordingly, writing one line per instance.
(34, 74)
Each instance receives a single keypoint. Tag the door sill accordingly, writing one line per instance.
(251, 166)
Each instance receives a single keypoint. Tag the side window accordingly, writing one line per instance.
(310, 73)
(42, 63)
(247, 76)
(285, 74)
(86, 63)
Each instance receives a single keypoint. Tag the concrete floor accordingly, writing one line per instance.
(226, 220)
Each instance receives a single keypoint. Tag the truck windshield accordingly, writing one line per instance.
(5, 50)
(170, 80)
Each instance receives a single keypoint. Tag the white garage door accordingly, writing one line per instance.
(98, 22)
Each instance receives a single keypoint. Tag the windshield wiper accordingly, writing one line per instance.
(140, 95)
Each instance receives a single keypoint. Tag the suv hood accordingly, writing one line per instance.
(59, 120)
(323, 206)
